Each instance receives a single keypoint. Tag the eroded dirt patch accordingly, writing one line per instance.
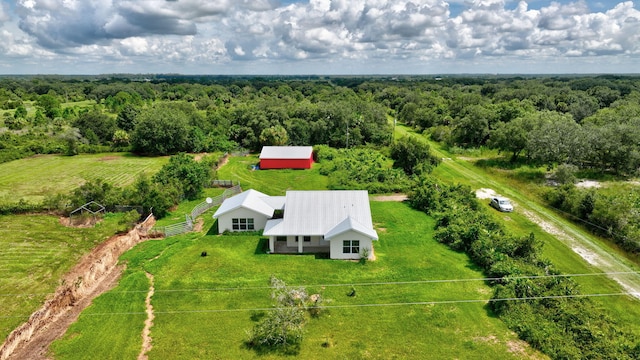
(148, 323)
(95, 273)
(109, 158)
(79, 221)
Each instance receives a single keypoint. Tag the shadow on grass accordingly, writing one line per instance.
(518, 170)
(504, 163)
(213, 230)
(257, 315)
(490, 312)
(262, 247)
(264, 350)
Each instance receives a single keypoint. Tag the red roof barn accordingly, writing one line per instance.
(286, 157)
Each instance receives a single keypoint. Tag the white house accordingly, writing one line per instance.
(336, 222)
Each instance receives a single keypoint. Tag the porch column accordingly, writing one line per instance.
(300, 241)
(272, 245)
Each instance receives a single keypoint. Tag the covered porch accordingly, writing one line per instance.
(299, 247)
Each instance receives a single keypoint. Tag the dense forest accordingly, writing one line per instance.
(588, 122)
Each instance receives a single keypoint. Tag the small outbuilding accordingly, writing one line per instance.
(286, 157)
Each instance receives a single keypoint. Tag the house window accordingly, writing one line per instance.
(281, 238)
(242, 224)
(304, 238)
(351, 246)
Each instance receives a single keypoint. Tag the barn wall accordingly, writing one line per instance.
(286, 163)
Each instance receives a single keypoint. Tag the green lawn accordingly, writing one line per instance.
(38, 176)
(35, 251)
(271, 182)
(204, 305)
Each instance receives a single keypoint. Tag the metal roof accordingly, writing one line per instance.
(250, 199)
(286, 152)
(349, 224)
(325, 212)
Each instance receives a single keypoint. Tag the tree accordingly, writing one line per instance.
(153, 197)
(50, 105)
(121, 138)
(186, 174)
(557, 140)
(408, 152)
(514, 135)
(160, 130)
(274, 136)
(96, 123)
(127, 117)
(473, 128)
(20, 112)
(282, 328)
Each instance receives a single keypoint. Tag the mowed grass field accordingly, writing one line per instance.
(35, 251)
(271, 182)
(34, 178)
(204, 305)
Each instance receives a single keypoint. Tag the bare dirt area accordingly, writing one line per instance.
(392, 197)
(148, 323)
(587, 184)
(96, 273)
(485, 193)
(79, 221)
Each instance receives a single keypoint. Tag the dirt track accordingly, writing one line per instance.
(582, 245)
(96, 273)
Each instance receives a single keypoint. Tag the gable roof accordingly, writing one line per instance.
(250, 199)
(350, 224)
(286, 152)
(325, 213)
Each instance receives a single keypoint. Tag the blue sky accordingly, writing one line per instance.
(318, 36)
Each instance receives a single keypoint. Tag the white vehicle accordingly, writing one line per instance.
(501, 204)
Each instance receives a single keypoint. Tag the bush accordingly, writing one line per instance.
(566, 174)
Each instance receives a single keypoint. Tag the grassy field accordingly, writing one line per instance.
(271, 182)
(204, 305)
(35, 177)
(35, 251)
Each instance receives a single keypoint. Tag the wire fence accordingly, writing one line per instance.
(187, 225)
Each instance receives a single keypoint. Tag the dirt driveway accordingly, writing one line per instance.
(580, 243)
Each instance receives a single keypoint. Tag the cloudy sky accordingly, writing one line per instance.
(318, 36)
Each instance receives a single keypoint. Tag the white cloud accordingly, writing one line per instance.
(202, 33)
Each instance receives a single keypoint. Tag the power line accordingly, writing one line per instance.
(416, 282)
(415, 303)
